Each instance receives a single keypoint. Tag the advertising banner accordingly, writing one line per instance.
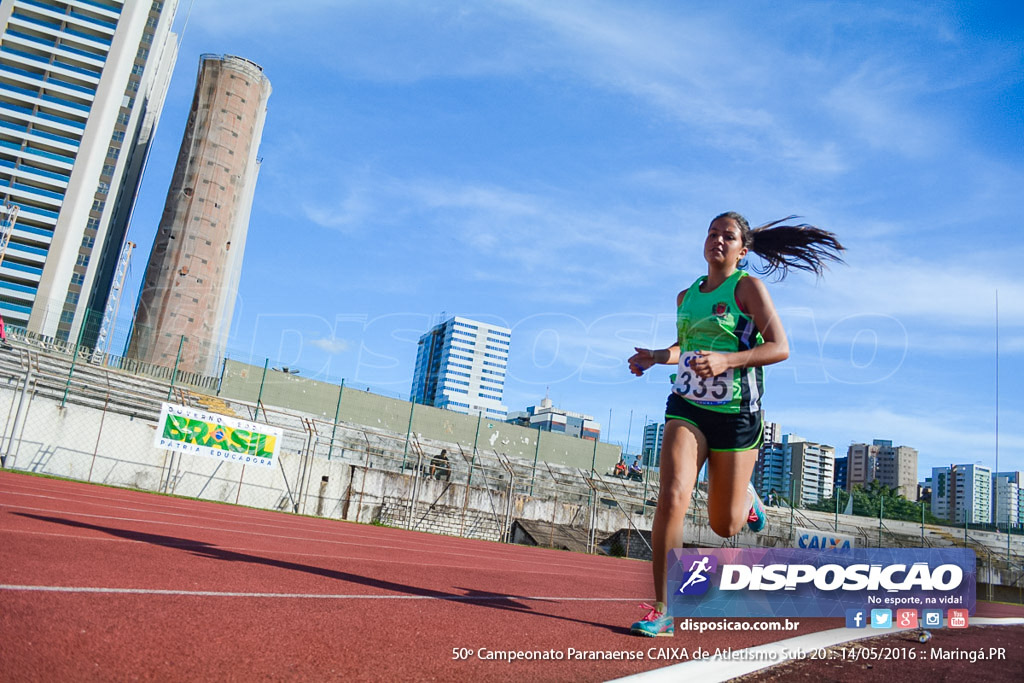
(816, 539)
(769, 582)
(187, 430)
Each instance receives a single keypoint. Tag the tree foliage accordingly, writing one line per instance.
(869, 500)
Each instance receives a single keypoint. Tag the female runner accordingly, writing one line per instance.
(727, 332)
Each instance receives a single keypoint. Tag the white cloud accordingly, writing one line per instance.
(331, 345)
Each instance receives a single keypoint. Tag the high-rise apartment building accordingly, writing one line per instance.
(813, 469)
(82, 83)
(654, 434)
(773, 463)
(1006, 488)
(794, 468)
(191, 281)
(548, 418)
(962, 493)
(972, 493)
(893, 466)
(461, 366)
(942, 492)
(841, 470)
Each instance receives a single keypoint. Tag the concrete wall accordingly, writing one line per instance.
(242, 382)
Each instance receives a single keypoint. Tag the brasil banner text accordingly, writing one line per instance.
(187, 430)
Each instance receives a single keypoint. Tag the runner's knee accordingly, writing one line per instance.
(675, 497)
(725, 524)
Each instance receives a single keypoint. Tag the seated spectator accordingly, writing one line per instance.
(620, 467)
(439, 466)
(636, 470)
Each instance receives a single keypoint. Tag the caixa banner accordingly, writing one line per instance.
(768, 582)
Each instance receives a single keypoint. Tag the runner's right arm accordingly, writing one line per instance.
(644, 359)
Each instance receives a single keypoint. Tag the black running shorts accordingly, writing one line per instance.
(724, 431)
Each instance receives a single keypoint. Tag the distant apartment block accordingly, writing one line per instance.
(191, 282)
(461, 366)
(962, 493)
(654, 434)
(893, 466)
(813, 469)
(1006, 496)
(842, 465)
(548, 418)
(772, 471)
(82, 84)
(795, 468)
(942, 492)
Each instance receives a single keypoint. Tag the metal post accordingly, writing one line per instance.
(792, 508)
(629, 432)
(337, 411)
(415, 487)
(922, 524)
(647, 479)
(174, 373)
(259, 396)
(74, 357)
(476, 439)
(536, 454)
(223, 368)
(408, 431)
(881, 508)
(9, 451)
(837, 509)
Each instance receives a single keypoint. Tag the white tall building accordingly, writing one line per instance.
(82, 83)
(461, 365)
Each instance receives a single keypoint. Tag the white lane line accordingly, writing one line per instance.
(746, 661)
(316, 596)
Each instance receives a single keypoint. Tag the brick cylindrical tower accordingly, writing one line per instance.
(191, 280)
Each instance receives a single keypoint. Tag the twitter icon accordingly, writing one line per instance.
(881, 618)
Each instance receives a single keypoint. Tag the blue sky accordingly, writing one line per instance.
(553, 167)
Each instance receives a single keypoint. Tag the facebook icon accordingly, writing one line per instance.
(856, 618)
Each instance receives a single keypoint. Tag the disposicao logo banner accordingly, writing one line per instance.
(768, 582)
(188, 430)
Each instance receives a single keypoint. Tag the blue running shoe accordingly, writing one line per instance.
(654, 624)
(757, 517)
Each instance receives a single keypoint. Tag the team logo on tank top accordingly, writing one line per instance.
(720, 309)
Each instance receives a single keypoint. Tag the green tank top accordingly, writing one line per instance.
(713, 321)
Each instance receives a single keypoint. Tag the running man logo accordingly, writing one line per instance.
(697, 568)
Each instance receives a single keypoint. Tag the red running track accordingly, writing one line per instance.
(112, 584)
